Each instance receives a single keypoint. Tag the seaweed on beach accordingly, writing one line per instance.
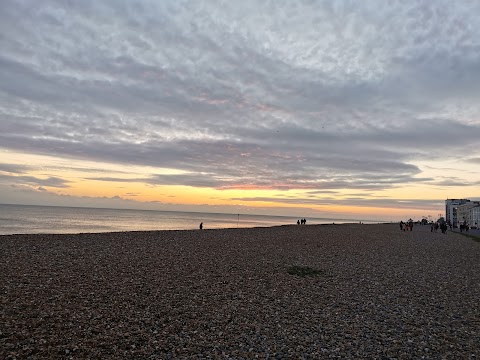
(303, 271)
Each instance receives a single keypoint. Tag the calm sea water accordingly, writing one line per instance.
(23, 219)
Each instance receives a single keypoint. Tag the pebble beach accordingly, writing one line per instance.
(287, 292)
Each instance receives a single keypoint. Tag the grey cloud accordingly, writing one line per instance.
(14, 168)
(195, 180)
(244, 94)
(84, 169)
(51, 181)
(283, 158)
(455, 183)
(420, 204)
(362, 195)
(114, 179)
(373, 182)
(319, 192)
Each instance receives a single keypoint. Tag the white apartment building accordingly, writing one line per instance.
(469, 213)
(475, 219)
(451, 206)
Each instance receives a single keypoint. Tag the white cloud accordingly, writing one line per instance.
(298, 92)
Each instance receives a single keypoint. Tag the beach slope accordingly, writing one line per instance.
(340, 291)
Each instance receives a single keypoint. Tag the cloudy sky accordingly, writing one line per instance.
(363, 109)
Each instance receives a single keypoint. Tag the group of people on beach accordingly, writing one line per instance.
(301, 222)
(443, 226)
(435, 226)
(406, 226)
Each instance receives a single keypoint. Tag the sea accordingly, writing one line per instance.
(29, 219)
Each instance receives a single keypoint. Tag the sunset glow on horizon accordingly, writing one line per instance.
(124, 188)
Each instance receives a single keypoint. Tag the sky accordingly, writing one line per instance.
(351, 109)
